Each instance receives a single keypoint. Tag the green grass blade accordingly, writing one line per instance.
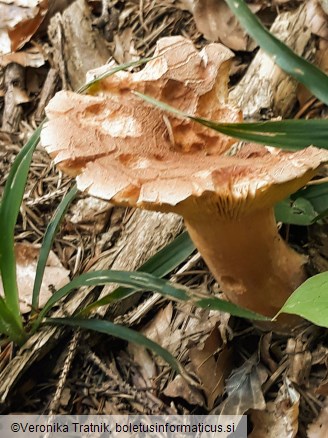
(10, 205)
(142, 280)
(88, 86)
(120, 332)
(308, 74)
(168, 258)
(9, 326)
(310, 300)
(286, 134)
(48, 241)
(159, 265)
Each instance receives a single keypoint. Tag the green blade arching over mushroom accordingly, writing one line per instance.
(125, 150)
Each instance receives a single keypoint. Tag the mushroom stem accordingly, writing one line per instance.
(253, 265)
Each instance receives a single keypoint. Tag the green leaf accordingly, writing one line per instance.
(286, 134)
(159, 265)
(317, 195)
(10, 205)
(308, 74)
(120, 332)
(310, 300)
(297, 212)
(142, 280)
(48, 241)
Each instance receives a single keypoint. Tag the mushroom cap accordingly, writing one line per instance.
(123, 149)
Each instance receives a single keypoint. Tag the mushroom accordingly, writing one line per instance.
(124, 150)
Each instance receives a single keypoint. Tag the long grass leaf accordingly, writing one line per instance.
(159, 265)
(308, 74)
(9, 326)
(10, 205)
(286, 134)
(48, 241)
(142, 280)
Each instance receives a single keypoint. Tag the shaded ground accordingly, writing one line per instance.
(94, 374)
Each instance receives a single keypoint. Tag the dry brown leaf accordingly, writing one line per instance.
(147, 367)
(244, 389)
(280, 418)
(216, 22)
(189, 327)
(212, 364)
(178, 387)
(319, 428)
(300, 360)
(55, 275)
(32, 57)
(20, 21)
(158, 328)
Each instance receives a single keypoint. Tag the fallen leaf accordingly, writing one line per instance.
(280, 418)
(20, 21)
(300, 361)
(178, 387)
(32, 57)
(319, 428)
(147, 367)
(212, 364)
(55, 275)
(215, 20)
(244, 389)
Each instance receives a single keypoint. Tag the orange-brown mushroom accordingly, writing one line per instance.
(123, 149)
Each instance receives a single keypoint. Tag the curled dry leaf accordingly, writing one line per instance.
(280, 418)
(55, 275)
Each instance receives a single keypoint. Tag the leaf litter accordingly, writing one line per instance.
(252, 368)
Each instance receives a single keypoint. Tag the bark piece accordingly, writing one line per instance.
(265, 87)
(14, 82)
(78, 46)
(47, 92)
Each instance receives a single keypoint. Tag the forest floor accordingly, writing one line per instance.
(284, 383)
